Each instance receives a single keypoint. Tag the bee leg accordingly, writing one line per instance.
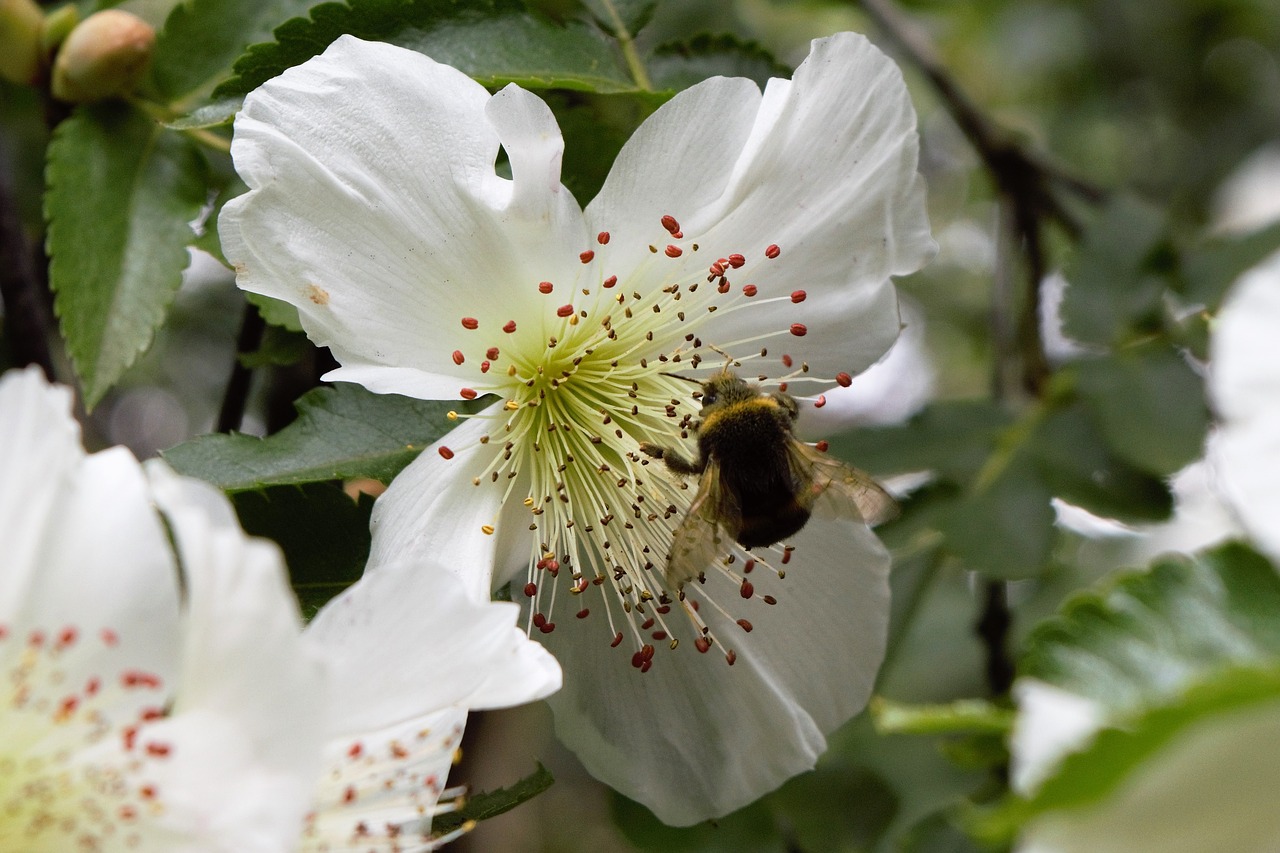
(674, 460)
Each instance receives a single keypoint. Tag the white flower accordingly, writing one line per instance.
(1244, 384)
(764, 226)
(165, 698)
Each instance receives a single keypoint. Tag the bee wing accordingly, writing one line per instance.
(832, 488)
(702, 535)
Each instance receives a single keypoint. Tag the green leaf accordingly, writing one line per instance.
(323, 532)
(276, 312)
(1149, 403)
(751, 829)
(494, 41)
(951, 438)
(1151, 633)
(1004, 527)
(1116, 754)
(1074, 463)
(489, 804)
(121, 192)
(963, 716)
(835, 808)
(341, 433)
(679, 65)
(202, 38)
(279, 347)
(622, 17)
(1113, 286)
(1211, 268)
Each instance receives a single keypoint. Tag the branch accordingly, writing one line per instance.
(27, 317)
(237, 393)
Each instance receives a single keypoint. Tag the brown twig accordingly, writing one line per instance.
(28, 319)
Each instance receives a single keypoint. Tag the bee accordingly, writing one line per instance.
(759, 484)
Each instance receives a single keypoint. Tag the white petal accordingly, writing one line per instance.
(827, 171)
(431, 509)
(375, 209)
(247, 726)
(407, 639)
(379, 791)
(694, 738)
(1244, 383)
(39, 453)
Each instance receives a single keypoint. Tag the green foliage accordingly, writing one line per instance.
(622, 18)
(121, 192)
(678, 65)
(488, 804)
(1149, 634)
(323, 532)
(494, 41)
(202, 38)
(341, 432)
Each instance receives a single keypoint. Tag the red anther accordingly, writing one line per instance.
(553, 566)
(647, 651)
(509, 327)
(773, 251)
(148, 792)
(491, 353)
(664, 609)
(748, 566)
(547, 628)
(747, 590)
(564, 311)
(545, 287)
(679, 235)
(109, 637)
(770, 600)
(736, 261)
(669, 223)
(644, 667)
(799, 330)
(470, 323)
(782, 386)
(820, 402)
(349, 795)
(786, 360)
(586, 256)
(786, 556)
(716, 269)
(158, 750)
(822, 446)
(603, 238)
(647, 624)
(798, 296)
(637, 660)
(730, 657)
(673, 251)
(611, 281)
(702, 644)
(659, 635)
(844, 380)
(68, 706)
(749, 290)
(617, 639)
(355, 750)
(745, 625)
(468, 394)
(35, 639)
(723, 286)
(92, 686)
(151, 714)
(530, 589)
(458, 358)
(484, 366)
(130, 737)
(444, 452)
(583, 613)
(539, 620)
(67, 637)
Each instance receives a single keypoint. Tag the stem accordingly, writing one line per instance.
(628, 44)
(993, 628)
(209, 139)
(28, 320)
(237, 395)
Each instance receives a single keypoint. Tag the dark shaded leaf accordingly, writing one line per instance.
(489, 804)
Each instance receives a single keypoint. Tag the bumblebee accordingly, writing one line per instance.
(759, 484)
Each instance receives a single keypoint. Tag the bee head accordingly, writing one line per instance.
(724, 389)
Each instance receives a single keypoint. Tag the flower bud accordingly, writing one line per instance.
(105, 56)
(21, 22)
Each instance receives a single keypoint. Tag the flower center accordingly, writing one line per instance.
(74, 751)
(582, 388)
